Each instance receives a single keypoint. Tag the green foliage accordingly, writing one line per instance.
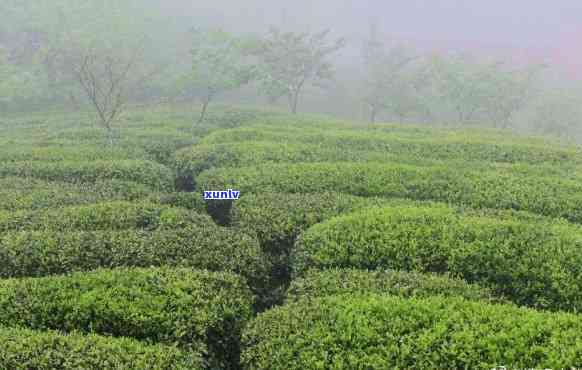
(16, 82)
(316, 283)
(81, 206)
(531, 263)
(510, 91)
(388, 85)
(276, 219)
(193, 309)
(23, 349)
(288, 61)
(192, 201)
(385, 143)
(53, 39)
(87, 22)
(191, 161)
(556, 112)
(162, 151)
(218, 64)
(112, 216)
(148, 173)
(470, 88)
(24, 153)
(461, 85)
(516, 187)
(200, 245)
(33, 194)
(379, 332)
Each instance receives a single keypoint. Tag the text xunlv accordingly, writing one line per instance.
(225, 194)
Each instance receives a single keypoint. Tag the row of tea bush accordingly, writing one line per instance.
(198, 311)
(537, 264)
(387, 331)
(505, 187)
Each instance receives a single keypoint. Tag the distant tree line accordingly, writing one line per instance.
(107, 54)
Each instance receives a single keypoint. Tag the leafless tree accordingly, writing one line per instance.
(107, 78)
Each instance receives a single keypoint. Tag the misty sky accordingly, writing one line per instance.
(547, 29)
(533, 23)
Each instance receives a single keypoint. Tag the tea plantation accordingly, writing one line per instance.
(351, 246)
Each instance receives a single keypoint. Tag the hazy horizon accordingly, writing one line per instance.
(538, 31)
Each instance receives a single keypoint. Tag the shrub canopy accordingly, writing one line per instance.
(379, 332)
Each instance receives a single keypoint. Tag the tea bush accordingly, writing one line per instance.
(507, 187)
(430, 144)
(23, 349)
(24, 153)
(532, 263)
(334, 281)
(193, 201)
(100, 216)
(374, 287)
(203, 245)
(278, 218)
(149, 173)
(171, 306)
(34, 194)
(191, 161)
(379, 332)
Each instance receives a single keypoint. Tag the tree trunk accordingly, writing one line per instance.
(401, 118)
(202, 113)
(74, 103)
(295, 102)
(110, 136)
(294, 99)
(373, 114)
(505, 123)
(462, 118)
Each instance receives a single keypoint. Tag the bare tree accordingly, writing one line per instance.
(105, 62)
(107, 77)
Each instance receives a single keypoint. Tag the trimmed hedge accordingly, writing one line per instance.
(149, 173)
(203, 245)
(316, 283)
(189, 162)
(103, 216)
(504, 187)
(23, 349)
(537, 264)
(171, 306)
(69, 153)
(432, 144)
(277, 219)
(192, 201)
(250, 146)
(380, 332)
(27, 193)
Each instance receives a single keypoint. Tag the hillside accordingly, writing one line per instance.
(351, 247)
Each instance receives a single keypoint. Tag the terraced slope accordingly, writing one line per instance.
(351, 246)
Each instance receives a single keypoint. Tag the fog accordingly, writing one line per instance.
(37, 39)
(549, 30)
